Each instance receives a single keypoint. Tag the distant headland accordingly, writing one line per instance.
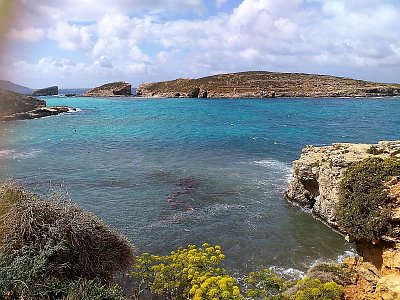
(262, 84)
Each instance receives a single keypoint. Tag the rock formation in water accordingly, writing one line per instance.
(49, 91)
(14, 106)
(315, 185)
(260, 84)
(110, 90)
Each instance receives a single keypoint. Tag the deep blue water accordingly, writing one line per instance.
(123, 159)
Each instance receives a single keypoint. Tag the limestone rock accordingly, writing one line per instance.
(316, 175)
(110, 90)
(388, 288)
(49, 91)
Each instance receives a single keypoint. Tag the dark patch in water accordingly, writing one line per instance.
(188, 184)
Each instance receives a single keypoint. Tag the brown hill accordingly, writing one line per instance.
(261, 84)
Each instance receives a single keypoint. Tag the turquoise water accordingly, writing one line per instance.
(176, 171)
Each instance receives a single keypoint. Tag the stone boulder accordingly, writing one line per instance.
(49, 91)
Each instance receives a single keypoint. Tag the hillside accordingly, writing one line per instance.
(261, 84)
(11, 103)
(8, 85)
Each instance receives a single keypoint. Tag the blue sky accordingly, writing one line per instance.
(85, 43)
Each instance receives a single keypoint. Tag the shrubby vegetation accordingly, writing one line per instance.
(50, 248)
(363, 209)
(187, 273)
(196, 273)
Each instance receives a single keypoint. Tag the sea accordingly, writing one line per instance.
(171, 172)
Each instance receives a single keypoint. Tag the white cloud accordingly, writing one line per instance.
(71, 37)
(104, 62)
(295, 35)
(27, 34)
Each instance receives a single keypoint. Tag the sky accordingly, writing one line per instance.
(86, 43)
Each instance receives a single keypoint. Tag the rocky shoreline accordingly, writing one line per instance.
(317, 174)
(315, 185)
(261, 84)
(14, 106)
(37, 113)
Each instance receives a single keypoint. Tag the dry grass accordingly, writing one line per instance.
(91, 248)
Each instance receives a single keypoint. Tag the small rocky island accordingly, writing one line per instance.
(14, 106)
(112, 89)
(49, 91)
(355, 189)
(261, 84)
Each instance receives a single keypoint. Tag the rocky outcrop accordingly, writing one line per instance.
(49, 91)
(110, 90)
(11, 103)
(14, 106)
(259, 84)
(38, 113)
(317, 174)
(376, 273)
(315, 184)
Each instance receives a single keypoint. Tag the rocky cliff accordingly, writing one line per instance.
(317, 174)
(260, 84)
(14, 106)
(49, 91)
(110, 90)
(315, 185)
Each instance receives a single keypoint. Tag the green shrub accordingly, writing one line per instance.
(187, 273)
(266, 284)
(363, 209)
(22, 270)
(93, 290)
(374, 150)
(314, 289)
(326, 272)
(90, 248)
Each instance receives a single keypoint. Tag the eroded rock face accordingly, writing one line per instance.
(317, 174)
(316, 178)
(49, 91)
(376, 274)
